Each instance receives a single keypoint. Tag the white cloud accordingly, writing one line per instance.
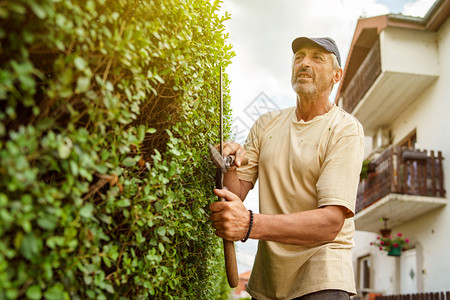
(418, 8)
(261, 32)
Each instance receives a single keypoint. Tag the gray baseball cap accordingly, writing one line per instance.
(326, 43)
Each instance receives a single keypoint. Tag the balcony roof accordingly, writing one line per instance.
(374, 112)
(398, 208)
(368, 30)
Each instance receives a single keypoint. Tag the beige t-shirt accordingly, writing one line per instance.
(302, 166)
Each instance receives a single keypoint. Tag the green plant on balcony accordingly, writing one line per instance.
(367, 168)
(364, 170)
(393, 245)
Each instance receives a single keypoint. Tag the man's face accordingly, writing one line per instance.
(312, 70)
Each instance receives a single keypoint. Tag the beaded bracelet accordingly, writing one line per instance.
(249, 228)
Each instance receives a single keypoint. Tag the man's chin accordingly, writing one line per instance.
(304, 89)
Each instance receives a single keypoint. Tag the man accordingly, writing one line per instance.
(308, 159)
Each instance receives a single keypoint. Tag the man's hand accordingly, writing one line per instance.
(230, 218)
(233, 148)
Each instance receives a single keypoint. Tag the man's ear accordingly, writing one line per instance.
(338, 75)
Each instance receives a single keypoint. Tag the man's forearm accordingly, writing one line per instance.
(231, 221)
(302, 228)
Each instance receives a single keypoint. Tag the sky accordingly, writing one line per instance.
(261, 32)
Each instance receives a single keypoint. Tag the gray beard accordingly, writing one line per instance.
(301, 89)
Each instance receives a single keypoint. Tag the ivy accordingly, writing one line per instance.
(106, 109)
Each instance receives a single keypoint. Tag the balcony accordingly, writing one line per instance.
(398, 68)
(363, 79)
(402, 184)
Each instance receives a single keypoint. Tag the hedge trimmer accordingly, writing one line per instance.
(223, 164)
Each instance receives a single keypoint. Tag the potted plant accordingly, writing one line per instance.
(392, 245)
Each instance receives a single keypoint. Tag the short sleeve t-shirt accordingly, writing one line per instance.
(303, 166)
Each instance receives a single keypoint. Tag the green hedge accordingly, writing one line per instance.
(106, 109)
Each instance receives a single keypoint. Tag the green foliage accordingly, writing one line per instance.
(106, 109)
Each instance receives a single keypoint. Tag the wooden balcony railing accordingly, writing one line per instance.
(422, 296)
(363, 79)
(402, 171)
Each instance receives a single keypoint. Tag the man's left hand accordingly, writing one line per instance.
(230, 218)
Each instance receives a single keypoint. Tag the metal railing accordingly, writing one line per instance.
(402, 171)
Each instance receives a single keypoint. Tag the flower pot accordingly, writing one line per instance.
(385, 232)
(396, 251)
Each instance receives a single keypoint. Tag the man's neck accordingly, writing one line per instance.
(310, 107)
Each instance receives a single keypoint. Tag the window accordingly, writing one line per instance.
(364, 273)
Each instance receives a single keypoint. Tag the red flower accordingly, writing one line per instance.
(387, 243)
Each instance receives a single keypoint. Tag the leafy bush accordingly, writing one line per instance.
(106, 108)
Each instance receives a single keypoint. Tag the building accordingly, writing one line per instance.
(397, 84)
(240, 291)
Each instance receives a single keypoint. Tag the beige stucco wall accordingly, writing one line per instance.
(429, 115)
(409, 51)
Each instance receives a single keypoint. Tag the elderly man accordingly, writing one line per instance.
(308, 159)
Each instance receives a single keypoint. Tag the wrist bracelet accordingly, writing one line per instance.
(249, 228)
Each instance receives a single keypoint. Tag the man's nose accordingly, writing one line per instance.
(306, 61)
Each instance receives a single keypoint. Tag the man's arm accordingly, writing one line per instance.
(239, 187)
(231, 221)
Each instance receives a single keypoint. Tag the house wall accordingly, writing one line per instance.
(429, 116)
(383, 281)
(409, 51)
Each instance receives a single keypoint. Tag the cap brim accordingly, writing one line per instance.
(325, 43)
(301, 41)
